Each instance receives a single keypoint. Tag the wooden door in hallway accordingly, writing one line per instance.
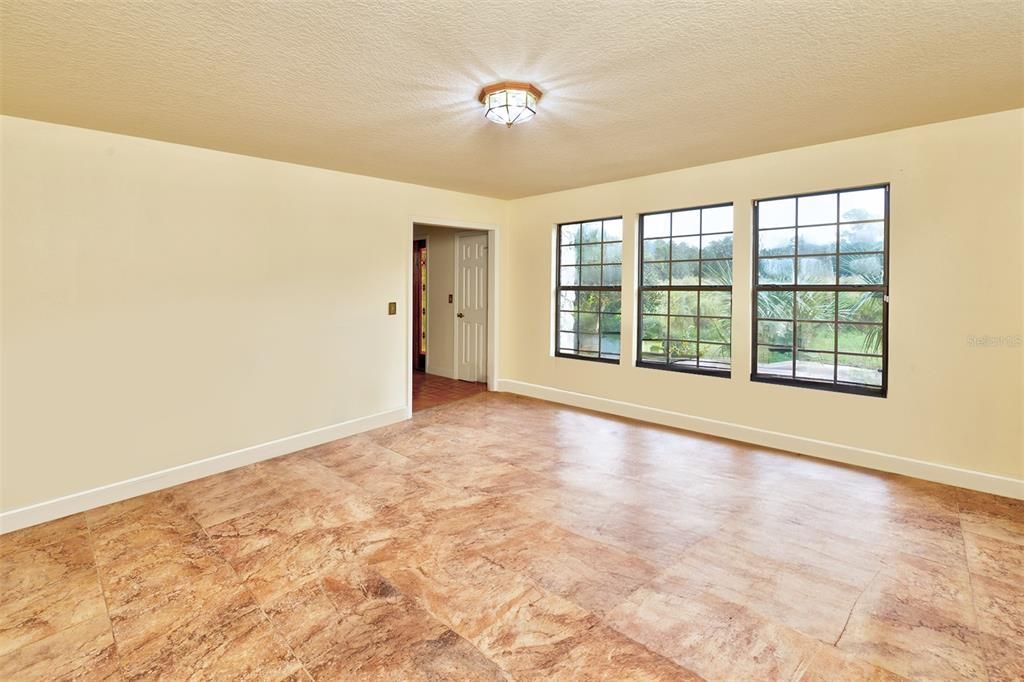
(471, 309)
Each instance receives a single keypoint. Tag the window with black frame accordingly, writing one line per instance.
(589, 290)
(685, 294)
(821, 290)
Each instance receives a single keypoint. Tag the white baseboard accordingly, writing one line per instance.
(929, 471)
(31, 515)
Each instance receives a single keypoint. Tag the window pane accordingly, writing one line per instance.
(685, 273)
(613, 253)
(570, 276)
(682, 352)
(866, 269)
(591, 232)
(862, 237)
(686, 248)
(657, 249)
(590, 275)
(567, 322)
(716, 246)
(683, 302)
(715, 330)
(570, 234)
(815, 305)
(817, 239)
(654, 302)
(611, 324)
(613, 230)
(586, 323)
(590, 253)
(567, 300)
(815, 336)
(816, 270)
(864, 204)
(772, 333)
(716, 273)
(775, 271)
(857, 369)
(775, 361)
(611, 301)
(776, 243)
(655, 274)
(612, 276)
(815, 366)
(716, 303)
(718, 219)
(570, 255)
(860, 338)
(590, 301)
(818, 209)
(682, 328)
(777, 213)
(686, 222)
(856, 306)
(653, 327)
(589, 342)
(566, 341)
(610, 344)
(775, 305)
(657, 225)
(714, 355)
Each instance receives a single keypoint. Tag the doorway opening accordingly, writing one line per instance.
(450, 314)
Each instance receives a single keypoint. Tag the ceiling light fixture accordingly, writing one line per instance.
(510, 102)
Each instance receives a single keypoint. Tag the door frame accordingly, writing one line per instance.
(493, 295)
(455, 302)
(424, 297)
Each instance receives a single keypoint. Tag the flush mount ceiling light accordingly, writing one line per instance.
(510, 102)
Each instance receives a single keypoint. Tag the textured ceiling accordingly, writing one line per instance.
(388, 87)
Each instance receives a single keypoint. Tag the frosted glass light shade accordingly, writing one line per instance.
(510, 102)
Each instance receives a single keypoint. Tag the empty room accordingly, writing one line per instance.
(450, 341)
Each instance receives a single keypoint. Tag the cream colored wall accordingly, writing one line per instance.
(956, 272)
(163, 303)
(440, 313)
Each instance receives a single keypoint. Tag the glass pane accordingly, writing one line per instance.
(776, 243)
(682, 352)
(570, 234)
(857, 369)
(591, 232)
(772, 333)
(860, 338)
(862, 237)
(657, 249)
(716, 273)
(682, 328)
(686, 248)
(777, 213)
(655, 274)
(567, 341)
(683, 302)
(815, 366)
(590, 275)
(612, 275)
(716, 246)
(654, 302)
(590, 301)
(611, 324)
(567, 300)
(775, 270)
(570, 255)
(613, 230)
(591, 253)
(816, 305)
(653, 327)
(864, 204)
(815, 336)
(715, 330)
(716, 303)
(570, 276)
(611, 302)
(867, 269)
(713, 355)
(816, 270)
(686, 222)
(817, 209)
(586, 323)
(610, 344)
(718, 219)
(775, 305)
(685, 273)
(566, 322)
(613, 253)
(817, 239)
(775, 361)
(588, 354)
(856, 306)
(657, 225)
(589, 342)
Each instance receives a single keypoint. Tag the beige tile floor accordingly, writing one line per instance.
(500, 537)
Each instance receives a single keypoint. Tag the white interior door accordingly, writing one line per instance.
(471, 308)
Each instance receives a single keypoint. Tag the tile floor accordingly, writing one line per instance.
(500, 537)
(430, 390)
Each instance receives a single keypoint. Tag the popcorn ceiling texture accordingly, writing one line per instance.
(387, 88)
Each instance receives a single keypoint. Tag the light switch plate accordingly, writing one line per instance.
(392, 308)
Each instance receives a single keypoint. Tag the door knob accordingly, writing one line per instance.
(460, 315)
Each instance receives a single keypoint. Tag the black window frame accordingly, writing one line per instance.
(559, 287)
(835, 385)
(641, 288)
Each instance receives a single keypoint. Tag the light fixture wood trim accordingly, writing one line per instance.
(509, 85)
